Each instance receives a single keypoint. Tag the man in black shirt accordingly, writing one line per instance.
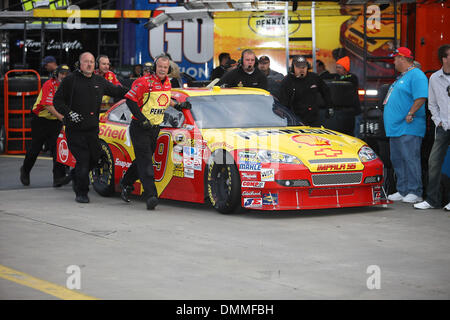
(300, 90)
(246, 75)
(219, 71)
(78, 99)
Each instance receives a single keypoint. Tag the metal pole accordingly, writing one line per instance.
(286, 33)
(99, 30)
(42, 41)
(24, 56)
(61, 39)
(313, 30)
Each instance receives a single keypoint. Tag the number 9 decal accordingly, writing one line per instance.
(161, 156)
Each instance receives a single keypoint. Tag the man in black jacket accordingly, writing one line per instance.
(78, 99)
(300, 90)
(246, 75)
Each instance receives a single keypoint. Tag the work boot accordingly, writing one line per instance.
(62, 181)
(126, 191)
(152, 202)
(82, 198)
(24, 177)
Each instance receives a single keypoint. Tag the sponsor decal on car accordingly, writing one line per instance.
(267, 132)
(189, 173)
(252, 202)
(122, 164)
(178, 170)
(251, 193)
(107, 132)
(249, 175)
(336, 167)
(328, 152)
(267, 174)
(376, 191)
(253, 184)
(270, 199)
(189, 152)
(249, 167)
(310, 140)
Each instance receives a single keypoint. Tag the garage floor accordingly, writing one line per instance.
(189, 251)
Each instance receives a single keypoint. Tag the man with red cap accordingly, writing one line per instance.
(343, 74)
(404, 122)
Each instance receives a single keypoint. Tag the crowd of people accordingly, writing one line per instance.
(76, 99)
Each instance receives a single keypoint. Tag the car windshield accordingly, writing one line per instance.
(240, 111)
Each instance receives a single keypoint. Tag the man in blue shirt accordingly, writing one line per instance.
(404, 121)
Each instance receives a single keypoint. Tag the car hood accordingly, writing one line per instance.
(319, 149)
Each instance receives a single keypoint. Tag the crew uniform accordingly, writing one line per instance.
(239, 78)
(148, 99)
(82, 96)
(301, 96)
(45, 128)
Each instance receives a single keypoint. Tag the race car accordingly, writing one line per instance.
(239, 148)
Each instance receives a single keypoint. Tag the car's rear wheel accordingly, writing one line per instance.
(102, 177)
(224, 186)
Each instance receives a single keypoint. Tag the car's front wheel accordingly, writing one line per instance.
(224, 186)
(102, 177)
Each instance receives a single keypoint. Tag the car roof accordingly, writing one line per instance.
(193, 92)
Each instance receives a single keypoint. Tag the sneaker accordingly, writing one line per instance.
(423, 205)
(447, 207)
(151, 203)
(395, 197)
(411, 198)
(24, 177)
(82, 199)
(59, 182)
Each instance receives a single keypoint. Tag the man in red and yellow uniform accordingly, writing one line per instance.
(46, 124)
(103, 65)
(147, 100)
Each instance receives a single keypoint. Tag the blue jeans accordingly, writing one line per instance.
(405, 159)
(437, 156)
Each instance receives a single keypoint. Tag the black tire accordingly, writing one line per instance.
(223, 184)
(102, 178)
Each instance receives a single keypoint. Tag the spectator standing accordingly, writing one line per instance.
(404, 122)
(274, 78)
(439, 105)
(78, 99)
(147, 68)
(46, 124)
(246, 74)
(220, 70)
(300, 89)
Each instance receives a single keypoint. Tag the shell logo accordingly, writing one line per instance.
(163, 100)
(271, 24)
(311, 140)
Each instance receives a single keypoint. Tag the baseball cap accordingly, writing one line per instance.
(48, 59)
(63, 68)
(402, 51)
(300, 61)
(264, 59)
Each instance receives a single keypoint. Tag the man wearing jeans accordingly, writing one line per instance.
(439, 105)
(404, 121)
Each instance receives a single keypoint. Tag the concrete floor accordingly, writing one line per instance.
(189, 251)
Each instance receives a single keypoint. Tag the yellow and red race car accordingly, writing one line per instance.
(238, 147)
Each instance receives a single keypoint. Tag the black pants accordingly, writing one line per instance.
(85, 147)
(44, 131)
(144, 145)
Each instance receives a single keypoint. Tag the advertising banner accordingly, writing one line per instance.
(189, 43)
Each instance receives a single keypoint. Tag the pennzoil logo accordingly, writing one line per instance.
(271, 24)
(163, 100)
(311, 140)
